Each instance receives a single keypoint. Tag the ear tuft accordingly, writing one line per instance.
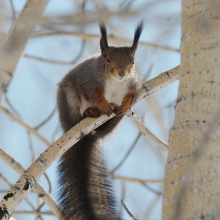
(103, 40)
(137, 36)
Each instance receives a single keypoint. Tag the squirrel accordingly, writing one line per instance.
(105, 83)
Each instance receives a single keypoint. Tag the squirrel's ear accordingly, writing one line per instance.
(137, 35)
(103, 40)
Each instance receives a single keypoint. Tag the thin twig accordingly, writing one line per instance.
(31, 146)
(55, 133)
(151, 207)
(94, 36)
(56, 61)
(128, 179)
(152, 190)
(126, 209)
(33, 212)
(11, 106)
(47, 119)
(49, 191)
(28, 127)
(48, 181)
(123, 186)
(83, 18)
(144, 130)
(127, 154)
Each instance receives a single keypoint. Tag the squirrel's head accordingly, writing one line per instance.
(119, 61)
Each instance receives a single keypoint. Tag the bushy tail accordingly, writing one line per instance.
(85, 192)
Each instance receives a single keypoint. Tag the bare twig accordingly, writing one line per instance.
(55, 133)
(126, 209)
(11, 106)
(141, 181)
(49, 191)
(23, 186)
(82, 17)
(144, 130)
(127, 154)
(152, 190)
(28, 127)
(123, 185)
(134, 179)
(151, 207)
(48, 181)
(93, 36)
(33, 213)
(31, 146)
(47, 119)
(56, 61)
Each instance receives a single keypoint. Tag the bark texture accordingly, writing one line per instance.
(12, 49)
(197, 104)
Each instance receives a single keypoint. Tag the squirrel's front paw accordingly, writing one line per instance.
(110, 109)
(120, 110)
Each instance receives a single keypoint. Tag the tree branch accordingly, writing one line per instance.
(127, 154)
(33, 213)
(144, 130)
(28, 127)
(126, 209)
(23, 186)
(12, 49)
(40, 190)
(134, 179)
(94, 36)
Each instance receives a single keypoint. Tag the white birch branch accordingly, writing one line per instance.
(12, 49)
(23, 186)
(38, 188)
(145, 131)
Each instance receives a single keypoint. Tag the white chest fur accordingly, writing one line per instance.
(115, 91)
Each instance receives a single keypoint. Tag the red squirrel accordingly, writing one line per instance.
(105, 83)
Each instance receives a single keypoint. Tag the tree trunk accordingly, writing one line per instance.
(193, 192)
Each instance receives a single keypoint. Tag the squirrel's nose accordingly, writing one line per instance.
(121, 74)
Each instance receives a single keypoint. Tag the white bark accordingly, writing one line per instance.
(197, 106)
(23, 186)
(144, 130)
(12, 49)
(38, 188)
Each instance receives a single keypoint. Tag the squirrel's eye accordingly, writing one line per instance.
(108, 60)
(133, 63)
